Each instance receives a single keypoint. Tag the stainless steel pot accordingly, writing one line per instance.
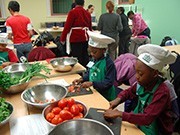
(81, 127)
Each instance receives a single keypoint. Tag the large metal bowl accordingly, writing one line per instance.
(50, 107)
(17, 67)
(18, 87)
(81, 127)
(43, 94)
(10, 107)
(63, 64)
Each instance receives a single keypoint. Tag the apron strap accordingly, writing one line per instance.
(68, 47)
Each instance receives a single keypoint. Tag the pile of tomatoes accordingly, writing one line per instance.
(66, 109)
(74, 88)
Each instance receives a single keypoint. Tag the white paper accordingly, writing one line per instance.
(60, 82)
(29, 125)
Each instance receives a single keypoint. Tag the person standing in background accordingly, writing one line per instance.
(91, 11)
(125, 34)
(73, 5)
(19, 29)
(75, 32)
(139, 26)
(110, 25)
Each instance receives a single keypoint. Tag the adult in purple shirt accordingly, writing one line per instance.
(139, 26)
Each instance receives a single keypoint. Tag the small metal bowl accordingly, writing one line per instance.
(50, 107)
(17, 67)
(10, 107)
(44, 94)
(18, 87)
(63, 64)
(81, 127)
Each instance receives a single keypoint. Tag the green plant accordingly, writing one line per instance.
(6, 80)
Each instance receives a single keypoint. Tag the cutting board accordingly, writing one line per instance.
(114, 125)
(83, 91)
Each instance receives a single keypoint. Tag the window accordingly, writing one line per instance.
(126, 1)
(59, 7)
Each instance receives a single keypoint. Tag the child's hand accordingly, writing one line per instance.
(112, 114)
(77, 81)
(114, 103)
(86, 84)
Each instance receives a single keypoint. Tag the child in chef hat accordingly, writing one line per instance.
(153, 111)
(102, 72)
(7, 56)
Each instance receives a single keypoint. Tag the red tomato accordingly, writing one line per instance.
(76, 117)
(80, 115)
(56, 120)
(74, 109)
(66, 115)
(60, 120)
(66, 108)
(71, 102)
(56, 110)
(62, 103)
(50, 116)
(71, 88)
(81, 107)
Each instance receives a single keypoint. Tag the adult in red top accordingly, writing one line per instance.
(20, 29)
(75, 32)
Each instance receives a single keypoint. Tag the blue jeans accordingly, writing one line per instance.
(23, 49)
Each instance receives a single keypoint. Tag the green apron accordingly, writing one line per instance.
(97, 73)
(3, 57)
(145, 98)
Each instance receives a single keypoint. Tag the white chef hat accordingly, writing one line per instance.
(155, 56)
(3, 38)
(99, 40)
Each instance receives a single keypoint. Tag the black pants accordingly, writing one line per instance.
(79, 50)
(146, 32)
(124, 44)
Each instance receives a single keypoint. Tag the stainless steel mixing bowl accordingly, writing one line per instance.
(63, 64)
(44, 94)
(10, 107)
(81, 127)
(18, 87)
(17, 67)
(50, 107)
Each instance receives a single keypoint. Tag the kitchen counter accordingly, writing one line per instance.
(173, 48)
(77, 68)
(92, 100)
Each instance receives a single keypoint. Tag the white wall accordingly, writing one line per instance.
(36, 10)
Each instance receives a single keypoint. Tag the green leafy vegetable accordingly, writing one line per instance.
(4, 110)
(7, 80)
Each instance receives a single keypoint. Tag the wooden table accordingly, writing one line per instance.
(21, 109)
(54, 32)
(51, 30)
(77, 68)
(173, 48)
